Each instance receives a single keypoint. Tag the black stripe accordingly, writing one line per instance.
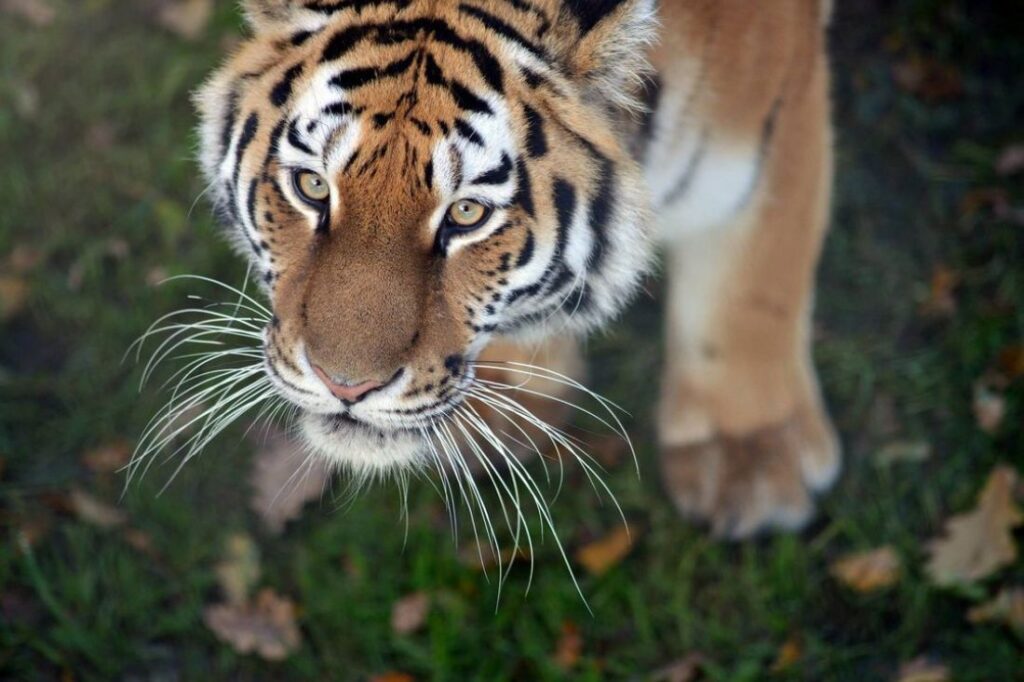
(468, 132)
(327, 7)
(395, 32)
(295, 140)
(501, 28)
(467, 100)
(690, 172)
(589, 13)
(283, 90)
(526, 254)
(524, 189)
(767, 135)
(536, 138)
(498, 175)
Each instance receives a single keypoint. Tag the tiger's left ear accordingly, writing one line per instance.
(267, 14)
(604, 44)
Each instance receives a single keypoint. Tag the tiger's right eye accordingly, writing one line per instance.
(312, 187)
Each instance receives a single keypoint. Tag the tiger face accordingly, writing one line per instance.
(411, 178)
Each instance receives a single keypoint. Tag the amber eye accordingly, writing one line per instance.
(312, 187)
(467, 214)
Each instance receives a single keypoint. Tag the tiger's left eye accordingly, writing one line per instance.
(468, 214)
(312, 187)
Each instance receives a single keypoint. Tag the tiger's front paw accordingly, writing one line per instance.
(764, 480)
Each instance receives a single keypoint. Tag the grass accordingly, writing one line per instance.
(98, 178)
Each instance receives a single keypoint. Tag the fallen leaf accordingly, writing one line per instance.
(13, 295)
(940, 301)
(609, 450)
(39, 13)
(997, 199)
(409, 613)
(1007, 608)
(684, 670)
(868, 571)
(989, 407)
(1011, 160)
(929, 78)
(266, 627)
(978, 543)
(903, 451)
(107, 458)
(23, 259)
(284, 479)
(790, 653)
(239, 570)
(185, 18)
(393, 677)
(93, 511)
(600, 556)
(141, 542)
(483, 556)
(922, 669)
(1011, 362)
(569, 647)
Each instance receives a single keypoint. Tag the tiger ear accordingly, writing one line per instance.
(604, 45)
(262, 15)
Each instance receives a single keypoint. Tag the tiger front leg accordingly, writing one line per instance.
(745, 440)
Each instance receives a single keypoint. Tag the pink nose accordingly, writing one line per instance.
(349, 394)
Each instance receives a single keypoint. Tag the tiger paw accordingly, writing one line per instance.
(765, 480)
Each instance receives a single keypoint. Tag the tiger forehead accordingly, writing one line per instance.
(379, 58)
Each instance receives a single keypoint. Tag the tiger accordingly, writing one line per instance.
(434, 191)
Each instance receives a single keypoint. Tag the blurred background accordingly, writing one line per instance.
(910, 573)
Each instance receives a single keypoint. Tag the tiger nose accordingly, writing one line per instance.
(349, 394)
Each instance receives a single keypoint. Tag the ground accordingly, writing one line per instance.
(920, 294)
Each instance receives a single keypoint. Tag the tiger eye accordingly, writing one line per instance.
(467, 213)
(312, 186)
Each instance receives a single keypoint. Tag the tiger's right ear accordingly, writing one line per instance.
(263, 15)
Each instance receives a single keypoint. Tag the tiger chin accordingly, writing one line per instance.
(439, 196)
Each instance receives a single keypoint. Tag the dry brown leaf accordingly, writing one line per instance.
(13, 296)
(482, 556)
(94, 512)
(185, 18)
(393, 677)
(107, 458)
(569, 647)
(941, 301)
(600, 556)
(24, 258)
(903, 451)
(1011, 160)
(989, 407)
(790, 653)
(978, 543)
(284, 479)
(141, 542)
(1011, 362)
(239, 569)
(929, 78)
(410, 613)
(37, 12)
(869, 571)
(1007, 608)
(684, 670)
(922, 669)
(266, 626)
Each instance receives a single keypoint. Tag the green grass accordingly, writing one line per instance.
(97, 175)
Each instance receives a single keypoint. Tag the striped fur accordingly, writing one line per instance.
(562, 118)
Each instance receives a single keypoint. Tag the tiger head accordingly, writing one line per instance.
(413, 177)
